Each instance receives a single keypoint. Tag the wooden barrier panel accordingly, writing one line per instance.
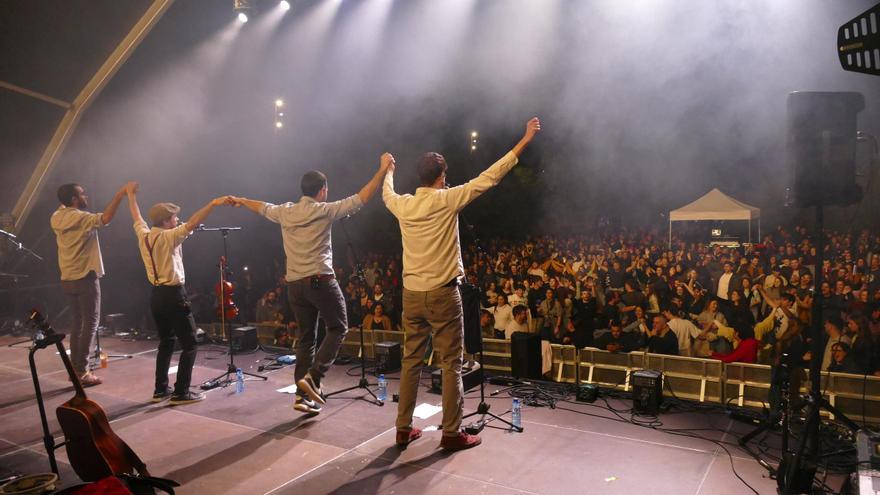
(496, 355)
(564, 368)
(710, 380)
(747, 384)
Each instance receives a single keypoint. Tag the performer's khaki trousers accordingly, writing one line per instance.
(434, 313)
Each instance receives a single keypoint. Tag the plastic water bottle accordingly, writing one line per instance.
(516, 413)
(239, 381)
(383, 388)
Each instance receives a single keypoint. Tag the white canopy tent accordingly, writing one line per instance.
(715, 205)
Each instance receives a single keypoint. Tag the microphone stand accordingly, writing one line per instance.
(362, 383)
(483, 407)
(224, 379)
(14, 240)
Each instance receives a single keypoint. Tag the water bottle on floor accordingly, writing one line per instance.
(239, 381)
(516, 413)
(383, 388)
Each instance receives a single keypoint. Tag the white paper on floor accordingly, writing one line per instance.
(66, 351)
(290, 389)
(172, 370)
(425, 410)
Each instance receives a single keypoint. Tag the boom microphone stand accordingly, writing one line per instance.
(231, 370)
(362, 383)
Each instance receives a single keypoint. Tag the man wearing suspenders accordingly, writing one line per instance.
(162, 254)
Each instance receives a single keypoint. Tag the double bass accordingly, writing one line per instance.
(225, 290)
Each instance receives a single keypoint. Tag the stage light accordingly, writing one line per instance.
(279, 124)
(284, 4)
(243, 9)
(474, 134)
(473, 147)
(281, 114)
(279, 103)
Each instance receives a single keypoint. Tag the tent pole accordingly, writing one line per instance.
(670, 232)
(750, 230)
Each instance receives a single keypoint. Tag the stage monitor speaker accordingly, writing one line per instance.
(821, 147)
(525, 355)
(387, 356)
(647, 391)
(244, 339)
(470, 378)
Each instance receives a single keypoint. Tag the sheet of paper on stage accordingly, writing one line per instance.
(290, 389)
(172, 370)
(425, 410)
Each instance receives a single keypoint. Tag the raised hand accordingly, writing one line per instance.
(533, 127)
(131, 187)
(386, 163)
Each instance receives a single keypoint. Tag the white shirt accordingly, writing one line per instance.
(429, 225)
(515, 300)
(76, 232)
(167, 252)
(781, 321)
(503, 315)
(724, 285)
(305, 230)
(513, 326)
(684, 330)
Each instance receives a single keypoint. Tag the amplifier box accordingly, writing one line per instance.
(647, 391)
(470, 378)
(587, 392)
(244, 339)
(387, 356)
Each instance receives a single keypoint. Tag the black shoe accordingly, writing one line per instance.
(160, 396)
(306, 405)
(187, 398)
(311, 387)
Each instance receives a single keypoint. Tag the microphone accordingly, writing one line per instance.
(200, 228)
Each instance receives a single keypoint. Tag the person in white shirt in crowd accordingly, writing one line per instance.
(725, 282)
(432, 267)
(684, 331)
(81, 266)
(519, 321)
(518, 297)
(312, 288)
(503, 313)
(161, 249)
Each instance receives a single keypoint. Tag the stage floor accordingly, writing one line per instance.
(255, 443)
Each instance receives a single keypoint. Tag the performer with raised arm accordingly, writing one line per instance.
(81, 266)
(312, 288)
(432, 268)
(162, 254)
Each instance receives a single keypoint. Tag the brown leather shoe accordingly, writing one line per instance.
(404, 438)
(90, 380)
(460, 442)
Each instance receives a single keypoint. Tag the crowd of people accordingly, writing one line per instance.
(631, 290)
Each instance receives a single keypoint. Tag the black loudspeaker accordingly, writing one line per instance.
(244, 339)
(647, 391)
(387, 356)
(525, 355)
(821, 147)
(470, 378)
(587, 392)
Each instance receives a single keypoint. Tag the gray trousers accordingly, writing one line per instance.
(308, 301)
(437, 312)
(84, 296)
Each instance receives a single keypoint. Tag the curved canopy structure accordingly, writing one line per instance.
(715, 205)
